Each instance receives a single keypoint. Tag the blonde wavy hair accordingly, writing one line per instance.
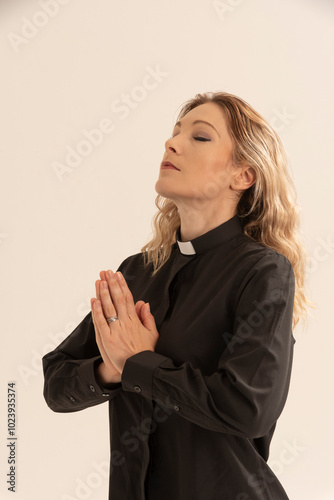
(269, 211)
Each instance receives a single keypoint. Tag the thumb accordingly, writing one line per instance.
(147, 318)
(138, 308)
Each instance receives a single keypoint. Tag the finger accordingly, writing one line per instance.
(97, 289)
(127, 295)
(108, 306)
(100, 323)
(117, 296)
(102, 331)
(97, 332)
(92, 301)
(97, 285)
(138, 308)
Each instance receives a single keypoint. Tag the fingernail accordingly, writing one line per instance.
(110, 274)
(148, 307)
(119, 275)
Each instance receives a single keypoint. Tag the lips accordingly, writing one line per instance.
(168, 164)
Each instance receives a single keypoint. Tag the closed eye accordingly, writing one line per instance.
(204, 139)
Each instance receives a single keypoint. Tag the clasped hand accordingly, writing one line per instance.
(133, 332)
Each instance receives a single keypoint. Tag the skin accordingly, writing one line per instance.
(208, 186)
(206, 190)
(133, 332)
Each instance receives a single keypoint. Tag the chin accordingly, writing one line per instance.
(161, 187)
(167, 190)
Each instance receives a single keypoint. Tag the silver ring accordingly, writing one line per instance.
(112, 318)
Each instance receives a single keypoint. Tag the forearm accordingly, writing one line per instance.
(72, 385)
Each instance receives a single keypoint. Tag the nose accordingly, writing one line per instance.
(170, 145)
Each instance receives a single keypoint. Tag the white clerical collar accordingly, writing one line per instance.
(215, 237)
(186, 247)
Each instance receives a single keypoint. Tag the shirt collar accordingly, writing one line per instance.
(211, 239)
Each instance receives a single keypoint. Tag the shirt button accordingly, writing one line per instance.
(176, 408)
(72, 399)
(92, 388)
(137, 388)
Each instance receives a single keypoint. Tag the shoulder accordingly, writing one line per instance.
(263, 266)
(260, 255)
(132, 264)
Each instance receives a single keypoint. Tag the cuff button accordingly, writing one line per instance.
(137, 388)
(176, 408)
(72, 398)
(105, 394)
(92, 388)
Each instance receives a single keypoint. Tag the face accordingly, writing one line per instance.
(202, 154)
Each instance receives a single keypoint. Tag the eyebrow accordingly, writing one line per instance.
(178, 124)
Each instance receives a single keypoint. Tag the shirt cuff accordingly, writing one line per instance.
(87, 373)
(138, 371)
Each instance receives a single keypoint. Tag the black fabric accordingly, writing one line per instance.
(194, 419)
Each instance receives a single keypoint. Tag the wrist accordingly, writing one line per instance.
(105, 376)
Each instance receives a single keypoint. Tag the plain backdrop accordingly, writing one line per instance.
(75, 201)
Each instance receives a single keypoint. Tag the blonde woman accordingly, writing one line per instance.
(191, 341)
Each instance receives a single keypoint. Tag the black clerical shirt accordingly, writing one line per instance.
(194, 419)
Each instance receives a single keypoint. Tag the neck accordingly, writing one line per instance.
(200, 220)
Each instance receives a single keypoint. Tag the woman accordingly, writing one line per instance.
(191, 340)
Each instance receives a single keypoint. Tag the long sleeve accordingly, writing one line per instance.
(70, 382)
(195, 417)
(69, 372)
(247, 392)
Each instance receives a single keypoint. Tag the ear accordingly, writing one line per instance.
(244, 178)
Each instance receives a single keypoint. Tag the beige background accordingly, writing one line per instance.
(66, 67)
